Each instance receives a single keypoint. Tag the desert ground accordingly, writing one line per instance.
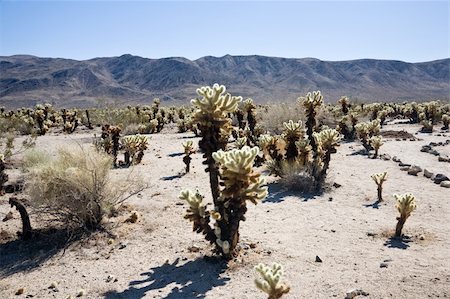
(160, 256)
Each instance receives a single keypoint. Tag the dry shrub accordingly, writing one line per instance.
(273, 117)
(74, 187)
(296, 177)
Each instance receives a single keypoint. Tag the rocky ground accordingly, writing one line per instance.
(160, 256)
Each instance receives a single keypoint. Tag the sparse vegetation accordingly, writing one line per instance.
(406, 204)
(271, 280)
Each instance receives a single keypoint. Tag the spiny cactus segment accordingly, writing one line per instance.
(188, 151)
(270, 282)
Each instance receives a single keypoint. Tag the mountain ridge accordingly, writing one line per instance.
(26, 80)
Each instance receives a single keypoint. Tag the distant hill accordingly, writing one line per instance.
(27, 80)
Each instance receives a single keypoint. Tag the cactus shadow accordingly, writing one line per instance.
(171, 177)
(375, 205)
(398, 242)
(193, 279)
(25, 255)
(277, 193)
(175, 155)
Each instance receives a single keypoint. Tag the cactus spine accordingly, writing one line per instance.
(406, 204)
(270, 282)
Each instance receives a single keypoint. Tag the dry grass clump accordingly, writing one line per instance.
(273, 117)
(74, 187)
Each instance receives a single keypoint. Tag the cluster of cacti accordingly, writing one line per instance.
(406, 204)
(270, 282)
(134, 147)
(188, 151)
(240, 182)
(110, 141)
(345, 104)
(379, 179)
(445, 121)
(366, 130)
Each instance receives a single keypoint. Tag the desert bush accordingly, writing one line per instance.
(74, 188)
(406, 204)
(273, 118)
(271, 280)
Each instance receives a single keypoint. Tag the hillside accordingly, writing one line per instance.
(27, 80)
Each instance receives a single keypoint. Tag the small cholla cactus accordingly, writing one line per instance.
(3, 175)
(292, 133)
(445, 121)
(271, 280)
(379, 179)
(188, 150)
(406, 204)
(345, 103)
(376, 142)
(327, 140)
(241, 142)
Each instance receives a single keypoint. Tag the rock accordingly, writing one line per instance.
(385, 157)
(353, 293)
(434, 152)
(318, 259)
(414, 170)
(336, 185)
(405, 168)
(425, 148)
(445, 184)
(433, 143)
(193, 248)
(20, 291)
(443, 158)
(383, 265)
(111, 278)
(53, 285)
(395, 159)
(401, 164)
(81, 293)
(122, 245)
(438, 178)
(8, 216)
(427, 174)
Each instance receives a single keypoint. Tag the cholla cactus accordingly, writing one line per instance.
(445, 120)
(376, 142)
(211, 118)
(367, 130)
(188, 150)
(241, 142)
(271, 280)
(379, 179)
(3, 175)
(134, 147)
(240, 183)
(345, 103)
(292, 133)
(311, 102)
(327, 140)
(250, 107)
(406, 204)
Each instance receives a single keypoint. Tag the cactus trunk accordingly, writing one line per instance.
(379, 190)
(26, 225)
(399, 227)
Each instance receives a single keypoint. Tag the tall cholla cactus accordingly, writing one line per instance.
(240, 183)
(345, 103)
(188, 151)
(376, 142)
(211, 118)
(311, 102)
(379, 179)
(327, 140)
(250, 107)
(292, 133)
(270, 282)
(406, 204)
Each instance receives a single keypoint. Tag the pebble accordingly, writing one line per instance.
(414, 170)
(403, 164)
(443, 158)
(395, 159)
(427, 174)
(353, 293)
(318, 259)
(445, 184)
(438, 178)
(383, 265)
(385, 157)
(20, 291)
(405, 168)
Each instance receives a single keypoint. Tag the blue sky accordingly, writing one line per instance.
(334, 30)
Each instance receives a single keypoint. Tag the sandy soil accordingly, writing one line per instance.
(160, 256)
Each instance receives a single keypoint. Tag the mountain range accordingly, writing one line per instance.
(26, 80)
